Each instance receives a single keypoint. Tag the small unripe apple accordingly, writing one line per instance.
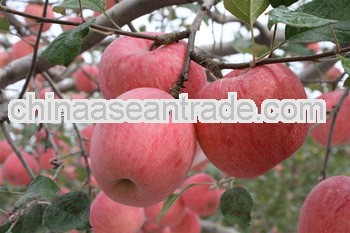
(14, 172)
(327, 207)
(87, 133)
(189, 224)
(142, 164)
(200, 199)
(5, 59)
(37, 10)
(127, 63)
(6, 149)
(341, 130)
(247, 150)
(86, 78)
(109, 216)
(23, 47)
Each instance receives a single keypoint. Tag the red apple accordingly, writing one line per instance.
(172, 217)
(127, 63)
(141, 164)
(86, 78)
(247, 150)
(315, 47)
(87, 133)
(108, 216)
(23, 47)
(200, 199)
(332, 74)
(37, 10)
(327, 207)
(5, 58)
(45, 158)
(14, 172)
(6, 149)
(76, 19)
(341, 130)
(189, 224)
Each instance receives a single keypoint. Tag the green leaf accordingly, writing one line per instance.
(4, 24)
(31, 221)
(277, 3)
(345, 62)
(246, 10)
(70, 211)
(245, 46)
(42, 188)
(66, 47)
(297, 49)
(333, 10)
(170, 201)
(95, 5)
(4, 227)
(296, 19)
(236, 206)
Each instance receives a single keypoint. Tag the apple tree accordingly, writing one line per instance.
(175, 177)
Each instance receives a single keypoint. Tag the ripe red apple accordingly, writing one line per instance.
(87, 133)
(200, 199)
(173, 216)
(109, 216)
(45, 158)
(341, 130)
(128, 63)
(14, 172)
(23, 47)
(37, 10)
(189, 224)
(6, 149)
(76, 19)
(5, 58)
(332, 74)
(247, 150)
(141, 164)
(86, 78)
(327, 207)
(315, 47)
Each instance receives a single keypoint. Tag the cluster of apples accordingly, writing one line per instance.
(183, 216)
(141, 164)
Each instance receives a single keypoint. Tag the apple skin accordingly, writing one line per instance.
(141, 164)
(6, 149)
(108, 216)
(332, 74)
(200, 161)
(172, 217)
(327, 207)
(87, 133)
(23, 47)
(76, 19)
(45, 159)
(83, 81)
(341, 130)
(200, 199)
(315, 47)
(5, 59)
(189, 224)
(248, 150)
(1, 178)
(127, 64)
(14, 172)
(37, 10)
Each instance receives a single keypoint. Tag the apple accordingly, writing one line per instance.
(189, 224)
(14, 172)
(327, 207)
(315, 47)
(74, 96)
(76, 19)
(1, 178)
(38, 82)
(87, 133)
(127, 63)
(6, 149)
(5, 59)
(23, 47)
(172, 217)
(86, 78)
(200, 199)
(247, 150)
(141, 164)
(45, 158)
(37, 10)
(341, 130)
(332, 74)
(109, 216)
